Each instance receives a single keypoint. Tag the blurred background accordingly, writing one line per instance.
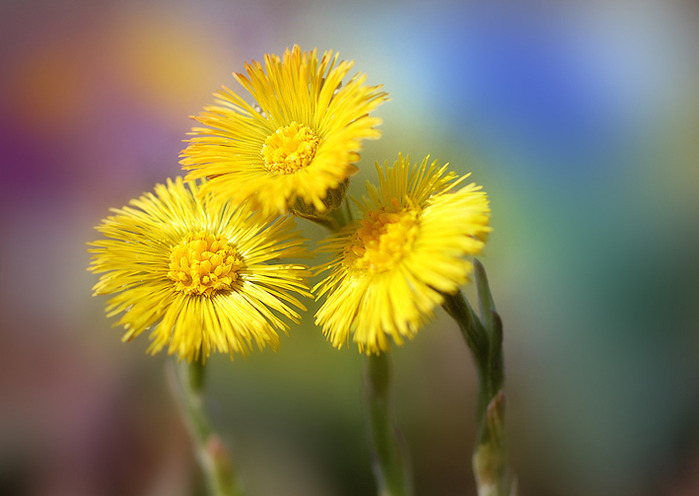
(580, 120)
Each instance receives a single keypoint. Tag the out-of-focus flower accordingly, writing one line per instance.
(392, 268)
(202, 276)
(296, 143)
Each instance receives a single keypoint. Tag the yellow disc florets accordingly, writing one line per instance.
(204, 264)
(383, 240)
(289, 148)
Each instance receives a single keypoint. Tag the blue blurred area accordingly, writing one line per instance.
(518, 79)
(581, 122)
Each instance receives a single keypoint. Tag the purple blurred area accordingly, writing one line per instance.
(582, 123)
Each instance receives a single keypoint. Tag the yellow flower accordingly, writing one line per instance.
(202, 276)
(295, 144)
(391, 269)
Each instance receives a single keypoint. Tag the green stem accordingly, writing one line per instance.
(478, 343)
(331, 221)
(389, 452)
(188, 388)
(334, 217)
(484, 339)
(388, 448)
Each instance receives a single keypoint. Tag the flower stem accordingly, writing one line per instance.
(389, 452)
(483, 337)
(388, 448)
(187, 381)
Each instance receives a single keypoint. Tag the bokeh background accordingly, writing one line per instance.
(580, 119)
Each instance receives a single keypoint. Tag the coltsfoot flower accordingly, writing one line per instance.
(201, 276)
(391, 268)
(297, 142)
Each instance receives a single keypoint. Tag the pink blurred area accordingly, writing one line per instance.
(101, 93)
(95, 99)
(594, 188)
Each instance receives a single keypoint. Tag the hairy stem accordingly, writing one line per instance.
(388, 448)
(484, 338)
(187, 381)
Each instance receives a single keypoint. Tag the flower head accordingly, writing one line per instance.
(297, 142)
(202, 276)
(391, 269)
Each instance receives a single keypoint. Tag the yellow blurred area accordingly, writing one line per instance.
(165, 62)
(168, 60)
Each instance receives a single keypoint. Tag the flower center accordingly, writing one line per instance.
(382, 241)
(204, 264)
(290, 148)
